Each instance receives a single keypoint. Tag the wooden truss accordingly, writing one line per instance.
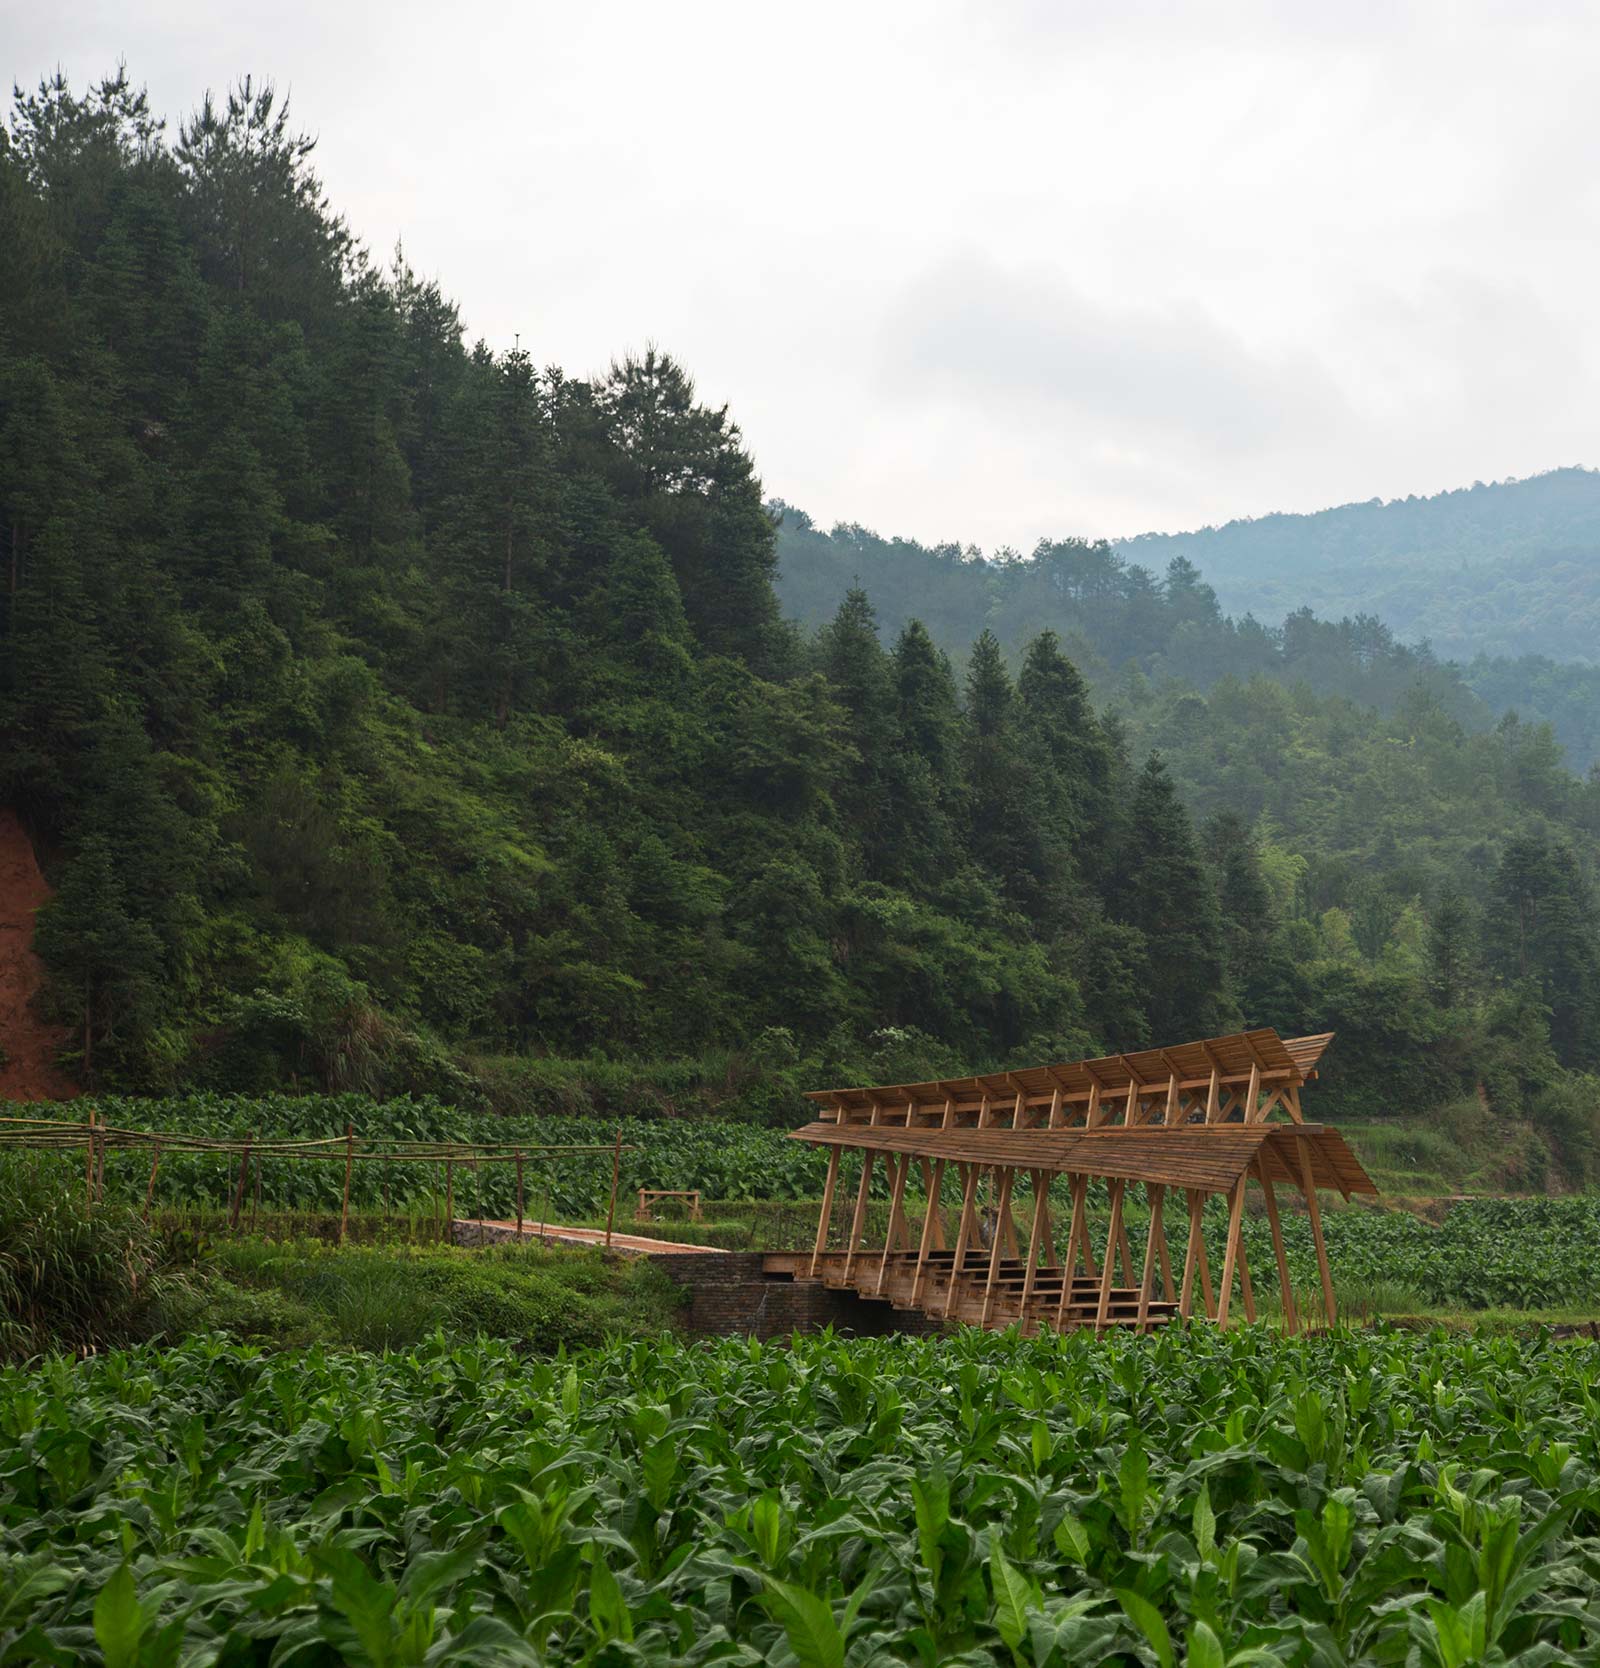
(1183, 1123)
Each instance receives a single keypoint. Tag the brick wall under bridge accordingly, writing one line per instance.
(732, 1294)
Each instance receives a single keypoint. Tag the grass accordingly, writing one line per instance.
(394, 1296)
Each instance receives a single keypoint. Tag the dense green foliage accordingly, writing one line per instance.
(72, 1279)
(1531, 1253)
(971, 1500)
(539, 1299)
(1159, 608)
(394, 715)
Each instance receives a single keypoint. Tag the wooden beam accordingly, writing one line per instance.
(1214, 1096)
(1291, 1319)
(1094, 1113)
(827, 1209)
(1006, 1176)
(1102, 1313)
(969, 1192)
(930, 1226)
(897, 1193)
(1231, 1255)
(1191, 1254)
(1308, 1186)
(1246, 1289)
(1153, 1193)
(1041, 1213)
(859, 1216)
(1251, 1095)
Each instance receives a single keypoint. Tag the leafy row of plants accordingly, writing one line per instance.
(1219, 1499)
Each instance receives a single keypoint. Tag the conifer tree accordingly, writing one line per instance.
(1167, 894)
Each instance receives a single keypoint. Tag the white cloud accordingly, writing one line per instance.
(988, 270)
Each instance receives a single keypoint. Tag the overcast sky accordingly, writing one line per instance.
(982, 272)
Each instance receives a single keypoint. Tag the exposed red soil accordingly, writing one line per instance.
(30, 1071)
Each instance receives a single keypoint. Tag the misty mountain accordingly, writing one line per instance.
(1510, 568)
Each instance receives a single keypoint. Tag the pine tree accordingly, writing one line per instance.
(1166, 893)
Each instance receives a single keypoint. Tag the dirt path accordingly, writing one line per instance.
(30, 1071)
(636, 1244)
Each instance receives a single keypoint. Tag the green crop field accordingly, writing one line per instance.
(1203, 1498)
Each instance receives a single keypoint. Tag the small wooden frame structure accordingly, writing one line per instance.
(648, 1195)
(1183, 1123)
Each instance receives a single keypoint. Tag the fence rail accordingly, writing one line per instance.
(95, 1139)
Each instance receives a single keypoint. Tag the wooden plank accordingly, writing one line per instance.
(827, 1209)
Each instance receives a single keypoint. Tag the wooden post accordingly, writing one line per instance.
(928, 1192)
(930, 1225)
(150, 1190)
(1231, 1255)
(1191, 1254)
(88, 1161)
(519, 1192)
(1077, 1239)
(450, 1201)
(616, 1177)
(1040, 1216)
(1252, 1094)
(1245, 1289)
(858, 1217)
(826, 1212)
(1103, 1312)
(349, 1166)
(969, 1193)
(1154, 1193)
(1006, 1176)
(238, 1192)
(896, 1195)
(1291, 1318)
(1309, 1187)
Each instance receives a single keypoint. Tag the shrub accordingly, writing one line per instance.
(72, 1278)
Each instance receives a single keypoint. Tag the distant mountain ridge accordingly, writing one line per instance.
(1508, 568)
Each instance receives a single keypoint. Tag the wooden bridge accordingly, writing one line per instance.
(1184, 1124)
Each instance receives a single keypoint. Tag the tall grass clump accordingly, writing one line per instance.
(71, 1278)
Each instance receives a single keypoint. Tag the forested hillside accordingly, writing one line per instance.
(1509, 568)
(1114, 612)
(387, 708)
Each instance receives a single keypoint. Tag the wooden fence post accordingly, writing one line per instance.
(349, 1165)
(519, 1192)
(88, 1161)
(238, 1192)
(150, 1190)
(616, 1176)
